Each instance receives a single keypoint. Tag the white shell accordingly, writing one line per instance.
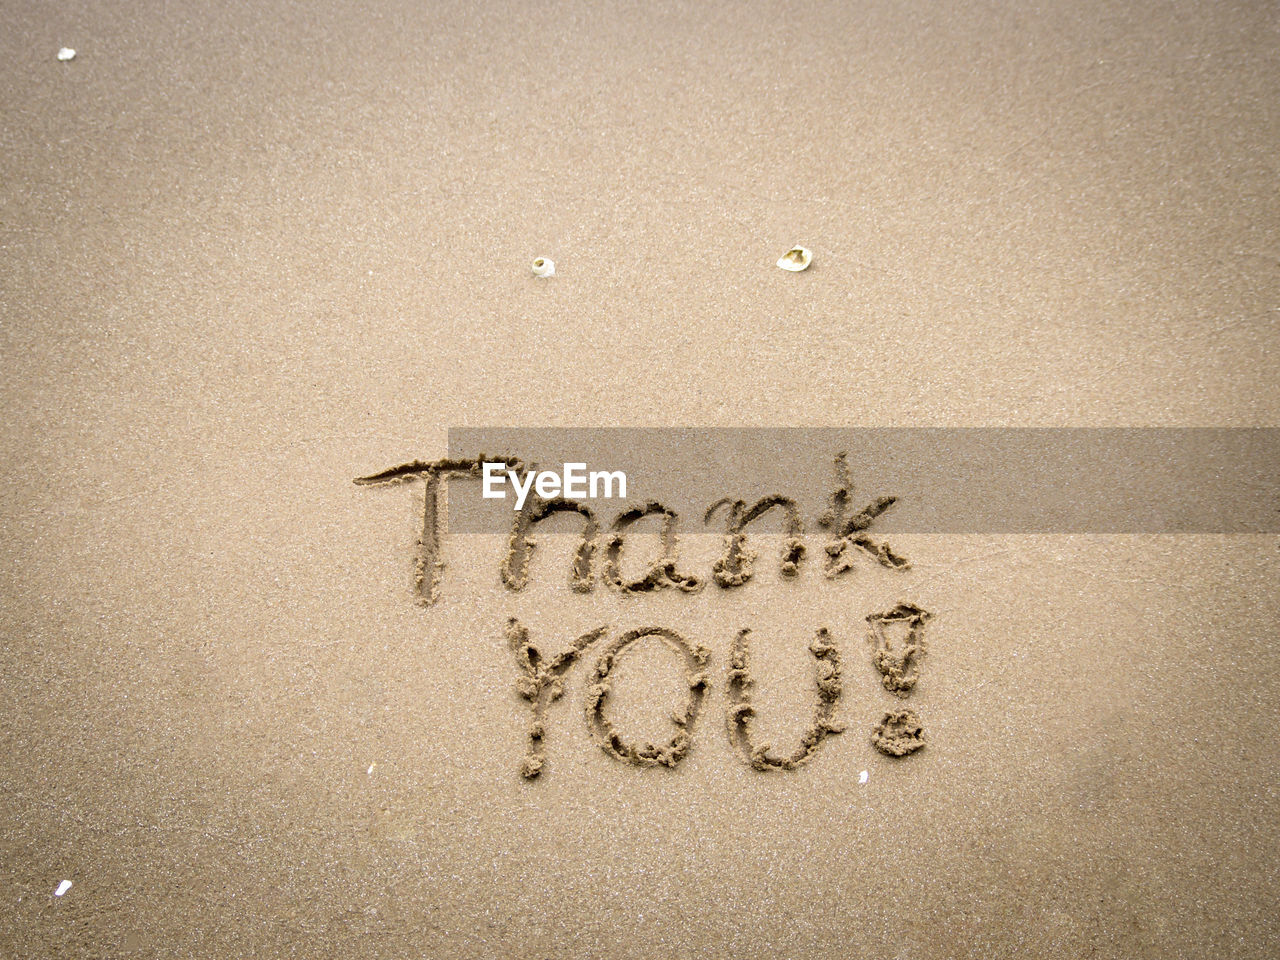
(542, 267)
(796, 259)
(63, 887)
(862, 777)
(66, 53)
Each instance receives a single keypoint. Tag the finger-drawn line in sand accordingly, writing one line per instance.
(542, 684)
(898, 733)
(742, 712)
(428, 565)
(851, 531)
(662, 572)
(735, 567)
(899, 667)
(515, 566)
(648, 754)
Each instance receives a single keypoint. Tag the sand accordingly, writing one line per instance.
(251, 254)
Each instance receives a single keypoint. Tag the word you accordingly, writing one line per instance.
(540, 495)
(542, 682)
(573, 484)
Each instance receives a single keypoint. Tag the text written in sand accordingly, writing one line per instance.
(848, 531)
(896, 636)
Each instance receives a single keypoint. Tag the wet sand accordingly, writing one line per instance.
(250, 255)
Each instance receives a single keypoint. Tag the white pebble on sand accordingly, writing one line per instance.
(63, 887)
(863, 777)
(66, 53)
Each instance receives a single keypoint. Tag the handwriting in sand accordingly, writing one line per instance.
(896, 636)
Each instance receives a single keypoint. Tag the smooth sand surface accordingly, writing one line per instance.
(250, 254)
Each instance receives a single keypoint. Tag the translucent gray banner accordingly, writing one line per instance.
(941, 480)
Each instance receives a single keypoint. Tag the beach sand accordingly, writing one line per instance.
(252, 254)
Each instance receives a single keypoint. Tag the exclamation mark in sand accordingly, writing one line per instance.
(899, 732)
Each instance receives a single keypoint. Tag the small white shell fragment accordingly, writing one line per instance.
(796, 259)
(370, 770)
(63, 887)
(542, 267)
(66, 53)
(862, 777)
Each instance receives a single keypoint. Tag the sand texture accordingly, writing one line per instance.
(254, 252)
